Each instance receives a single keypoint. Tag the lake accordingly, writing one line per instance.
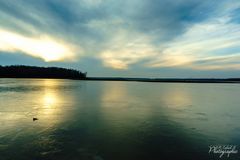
(97, 120)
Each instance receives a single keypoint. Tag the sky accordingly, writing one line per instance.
(125, 38)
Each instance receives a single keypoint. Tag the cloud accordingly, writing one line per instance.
(71, 21)
(209, 41)
(120, 35)
(127, 49)
(43, 47)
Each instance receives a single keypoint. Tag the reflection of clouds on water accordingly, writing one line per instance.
(176, 97)
(125, 113)
(202, 106)
(198, 107)
(135, 117)
(113, 95)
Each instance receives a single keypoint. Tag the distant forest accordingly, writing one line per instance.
(21, 71)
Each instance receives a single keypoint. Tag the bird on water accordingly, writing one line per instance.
(34, 119)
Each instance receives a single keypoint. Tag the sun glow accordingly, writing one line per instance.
(44, 47)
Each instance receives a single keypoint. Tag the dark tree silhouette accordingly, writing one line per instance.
(21, 71)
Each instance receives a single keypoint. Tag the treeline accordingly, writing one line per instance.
(21, 71)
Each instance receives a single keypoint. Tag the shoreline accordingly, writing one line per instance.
(155, 80)
(167, 80)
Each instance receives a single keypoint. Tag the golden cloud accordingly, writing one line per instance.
(44, 47)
